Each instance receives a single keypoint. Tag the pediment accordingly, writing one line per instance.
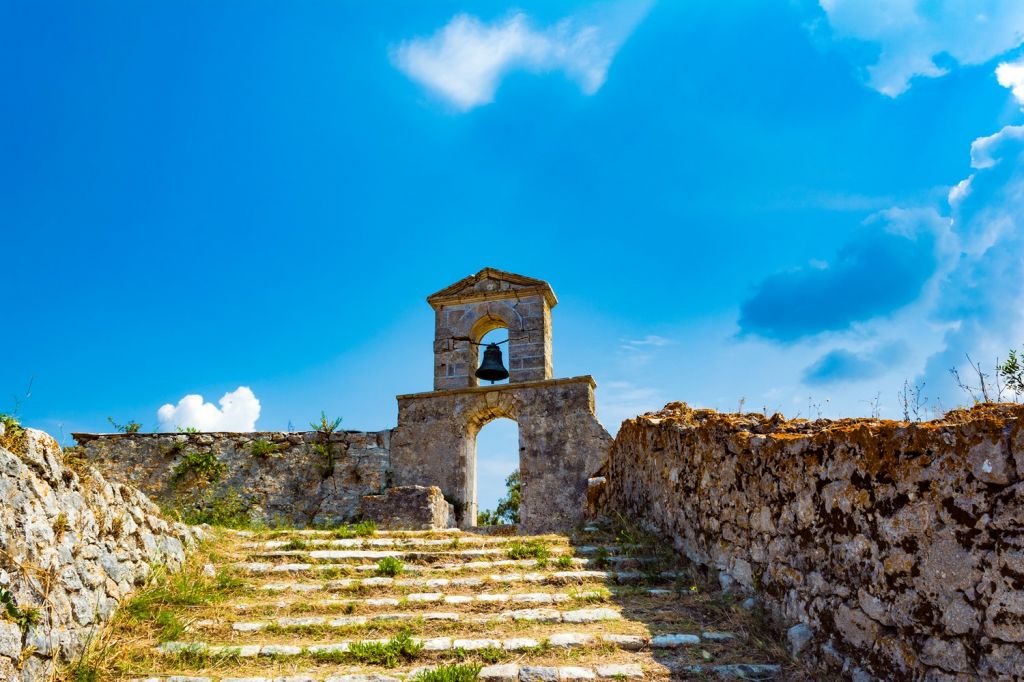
(490, 283)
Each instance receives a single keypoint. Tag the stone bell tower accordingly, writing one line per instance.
(489, 300)
(561, 442)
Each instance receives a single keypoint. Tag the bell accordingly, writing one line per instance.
(491, 369)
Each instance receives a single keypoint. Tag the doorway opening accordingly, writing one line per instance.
(496, 493)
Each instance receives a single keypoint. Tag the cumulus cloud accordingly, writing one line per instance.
(1011, 75)
(923, 38)
(842, 365)
(982, 299)
(882, 269)
(465, 61)
(238, 411)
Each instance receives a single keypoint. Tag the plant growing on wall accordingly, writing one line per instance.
(262, 448)
(13, 436)
(324, 429)
(200, 466)
(131, 426)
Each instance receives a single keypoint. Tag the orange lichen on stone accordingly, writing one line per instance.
(926, 518)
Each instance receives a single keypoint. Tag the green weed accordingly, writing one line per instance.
(532, 549)
(450, 673)
(202, 466)
(262, 448)
(390, 566)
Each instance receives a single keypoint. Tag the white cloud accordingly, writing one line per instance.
(983, 149)
(465, 61)
(920, 38)
(1011, 75)
(238, 411)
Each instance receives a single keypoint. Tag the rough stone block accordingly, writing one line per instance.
(411, 507)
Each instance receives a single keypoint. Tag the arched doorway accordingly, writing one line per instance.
(497, 458)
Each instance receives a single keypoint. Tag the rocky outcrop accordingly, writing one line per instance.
(409, 507)
(890, 550)
(72, 546)
(308, 478)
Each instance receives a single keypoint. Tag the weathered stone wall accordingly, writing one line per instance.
(72, 547)
(897, 548)
(560, 443)
(295, 484)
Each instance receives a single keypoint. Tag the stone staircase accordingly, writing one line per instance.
(320, 606)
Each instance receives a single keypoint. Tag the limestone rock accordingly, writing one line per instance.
(411, 507)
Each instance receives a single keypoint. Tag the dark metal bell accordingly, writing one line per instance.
(492, 369)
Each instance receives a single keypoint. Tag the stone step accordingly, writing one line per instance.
(425, 560)
(560, 640)
(592, 615)
(482, 598)
(495, 544)
(552, 578)
(467, 566)
(508, 672)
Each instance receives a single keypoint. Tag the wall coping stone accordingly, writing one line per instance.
(586, 378)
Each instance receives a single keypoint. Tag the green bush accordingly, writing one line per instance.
(201, 466)
(24, 618)
(459, 672)
(507, 510)
(262, 448)
(131, 426)
(390, 566)
(226, 510)
(533, 549)
(363, 529)
(399, 649)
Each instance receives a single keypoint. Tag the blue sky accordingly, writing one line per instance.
(792, 203)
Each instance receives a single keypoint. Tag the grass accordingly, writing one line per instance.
(450, 673)
(564, 562)
(363, 529)
(389, 566)
(262, 448)
(201, 466)
(224, 510)
(24, 618)
(532, 549)
(399, 649)
(13, 438)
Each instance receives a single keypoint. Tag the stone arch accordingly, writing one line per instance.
(487, 318)
(560, 443)
(502, 406)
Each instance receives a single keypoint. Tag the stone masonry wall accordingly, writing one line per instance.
(295, 484)
(72, 546)
(893, 551)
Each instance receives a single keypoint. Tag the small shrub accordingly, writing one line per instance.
(399, 649)
(262, 448)
(131, 426)
(24, 618)
(188, 429)
(362, 529)
(390, 566)
(564, 562)
(450, 673)
(533, 549)
(13, 438)
(170, 627)
(295, 544)
(226, 510)
(492, 655)
(203, 466)
(60, 525)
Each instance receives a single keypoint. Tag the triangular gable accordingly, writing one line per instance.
(483, 283)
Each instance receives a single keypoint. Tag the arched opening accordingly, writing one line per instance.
(497, 335)
(497, 458)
